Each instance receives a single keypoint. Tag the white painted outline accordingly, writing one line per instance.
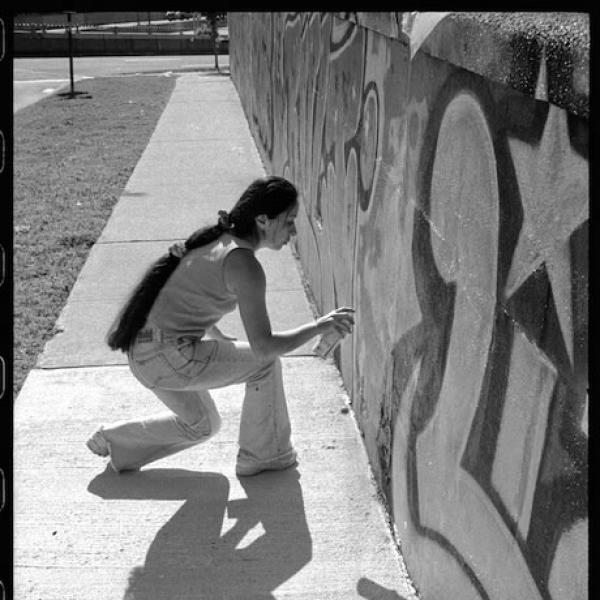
(3, 33)
(2, 501)
(418, 26)
(3, 590)
(2, 379)
(2, 264)
(3, 153)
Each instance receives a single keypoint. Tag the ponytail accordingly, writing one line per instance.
(135, 311)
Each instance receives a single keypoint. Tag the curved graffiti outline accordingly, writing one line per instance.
(431, 338)
(370, 96)
(416, 350)
(342, 33)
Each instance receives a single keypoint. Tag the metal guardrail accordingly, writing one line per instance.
(157, 27)
(94, 43)
(121, 32)
(188, 27)
(43, 26)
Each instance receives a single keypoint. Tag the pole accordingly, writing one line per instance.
(70, 55)
(214, 34)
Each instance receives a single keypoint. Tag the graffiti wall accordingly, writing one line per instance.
(449, 206)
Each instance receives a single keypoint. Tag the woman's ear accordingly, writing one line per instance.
(262, 221)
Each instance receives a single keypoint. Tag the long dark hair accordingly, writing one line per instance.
(266, 196)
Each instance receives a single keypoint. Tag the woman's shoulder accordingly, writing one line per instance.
(242, 266)
(241, 257)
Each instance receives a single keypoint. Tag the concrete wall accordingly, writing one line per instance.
(86, 18)
(444, 170)
(443, 162)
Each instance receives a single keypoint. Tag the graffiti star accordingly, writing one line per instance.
(554, 183)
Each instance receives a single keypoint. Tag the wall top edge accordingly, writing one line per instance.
(542, 54)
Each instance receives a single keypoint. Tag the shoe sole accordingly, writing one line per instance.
(97, 449)
(249, 471)
(100, 448)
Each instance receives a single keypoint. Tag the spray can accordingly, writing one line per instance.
(327, 343)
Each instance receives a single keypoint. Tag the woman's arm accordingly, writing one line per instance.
(245, 277)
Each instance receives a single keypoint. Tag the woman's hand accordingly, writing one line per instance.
(340, 320)
(245, 277)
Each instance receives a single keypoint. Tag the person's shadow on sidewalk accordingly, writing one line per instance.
(373, 591)
(189, 558)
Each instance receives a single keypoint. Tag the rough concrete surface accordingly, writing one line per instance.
(447, 200)
(541, 54)
(186, 527)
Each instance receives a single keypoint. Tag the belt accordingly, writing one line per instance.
(151, 334)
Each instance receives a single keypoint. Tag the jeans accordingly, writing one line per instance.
(180, 371)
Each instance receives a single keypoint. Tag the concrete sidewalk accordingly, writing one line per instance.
(186, 527)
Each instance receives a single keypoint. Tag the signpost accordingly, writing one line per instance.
(69, 13)
(72, 93)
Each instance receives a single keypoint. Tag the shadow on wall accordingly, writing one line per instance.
(190, 558)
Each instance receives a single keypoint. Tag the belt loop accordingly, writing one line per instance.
(158, 335)
(152, 333)
(146, 334)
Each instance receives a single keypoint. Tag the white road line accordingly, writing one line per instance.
(41, 81)
(77, 78)
(154, 59)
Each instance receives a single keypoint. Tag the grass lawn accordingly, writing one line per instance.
(72, 159)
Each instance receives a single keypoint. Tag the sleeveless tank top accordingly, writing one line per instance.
(195, 296)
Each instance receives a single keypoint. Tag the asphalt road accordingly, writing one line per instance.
(35, 78)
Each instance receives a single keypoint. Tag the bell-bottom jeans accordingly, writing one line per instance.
(180, 372)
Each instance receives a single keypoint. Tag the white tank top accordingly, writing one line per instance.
(195, 296)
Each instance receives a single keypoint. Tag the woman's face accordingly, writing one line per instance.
(278, 230)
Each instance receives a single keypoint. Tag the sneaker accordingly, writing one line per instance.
(98, 444)
(246, 467)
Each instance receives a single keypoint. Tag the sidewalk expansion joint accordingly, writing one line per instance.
(124, 364)
(129, 241)
(90, 366)
(202, 141)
